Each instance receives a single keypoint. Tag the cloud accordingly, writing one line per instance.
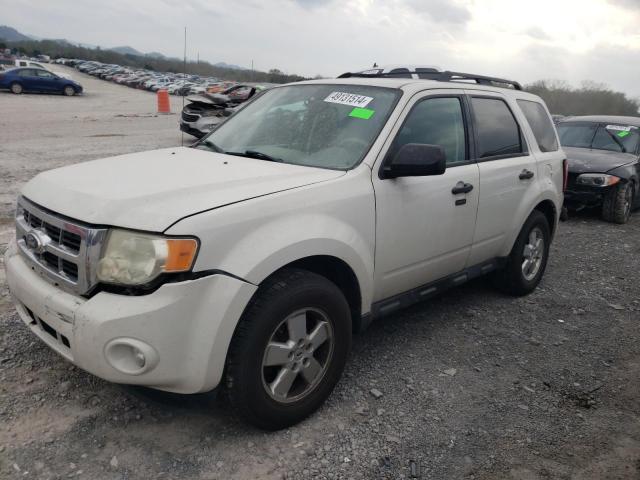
(312, 3)
(632, 4)
(537, 33)
(448, 11)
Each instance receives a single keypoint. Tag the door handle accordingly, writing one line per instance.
(525, 174)
(462, 187)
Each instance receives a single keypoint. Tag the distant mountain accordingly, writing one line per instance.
(11, 34)
(156, 55)
(127, 50)
(228, 65)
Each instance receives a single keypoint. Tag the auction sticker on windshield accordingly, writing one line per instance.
(620, 128)
(350, 99)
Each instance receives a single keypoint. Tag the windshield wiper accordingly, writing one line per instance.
(255, 154)
(211, 145)
(617, 140)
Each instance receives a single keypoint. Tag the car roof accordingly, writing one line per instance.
(633, 121)
(410, 85)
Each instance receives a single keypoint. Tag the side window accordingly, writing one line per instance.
(435, 121)
(26, 72)
(43, 74)
(498, 132)
(541, 125)
(23, 64)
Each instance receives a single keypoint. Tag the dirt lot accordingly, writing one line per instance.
(475, 385)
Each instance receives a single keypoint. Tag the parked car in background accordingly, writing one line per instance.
(22, 62)
(206, 111)
(604, 164)
(19, 80)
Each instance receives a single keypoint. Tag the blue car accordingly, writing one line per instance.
(30, 79)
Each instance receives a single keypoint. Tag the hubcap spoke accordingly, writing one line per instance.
(311, 370)
(297, 327)
(282, 384)
(277, 354)
(319, 335)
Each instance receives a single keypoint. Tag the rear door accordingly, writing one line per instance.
(425, 225)
(508, 173)
(28, 79)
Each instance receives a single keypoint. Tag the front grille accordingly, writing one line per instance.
(65, 251)
(187, 117)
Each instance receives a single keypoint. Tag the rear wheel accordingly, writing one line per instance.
(69, 91)
(289, 349)
(528, 258)
(618, 203)
(16, 88)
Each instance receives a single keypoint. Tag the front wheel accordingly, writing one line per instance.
(618, 203)
(16, 88)
(289, 349)
(528, 258)
(69, 91)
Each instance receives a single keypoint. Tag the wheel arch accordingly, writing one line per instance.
(549, 210)
(341, 274)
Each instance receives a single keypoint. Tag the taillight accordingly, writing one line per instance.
(565, 174)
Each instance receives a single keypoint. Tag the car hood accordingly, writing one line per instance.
(152, 190)
(586, 160)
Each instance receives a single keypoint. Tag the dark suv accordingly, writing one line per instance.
(604, 166)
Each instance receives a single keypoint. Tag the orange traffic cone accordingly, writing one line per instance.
(164, 106)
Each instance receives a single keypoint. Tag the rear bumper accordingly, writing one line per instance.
(183, 329)
(186, 128)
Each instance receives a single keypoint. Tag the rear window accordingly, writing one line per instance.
(498, 132)
(541, 125)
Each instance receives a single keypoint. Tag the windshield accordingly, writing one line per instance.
(598, 136)
(326, 126)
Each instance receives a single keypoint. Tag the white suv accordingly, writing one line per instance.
(249, 259)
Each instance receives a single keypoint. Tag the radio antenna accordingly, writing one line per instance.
(184, 79)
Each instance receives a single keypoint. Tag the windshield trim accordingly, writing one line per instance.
(398, 93)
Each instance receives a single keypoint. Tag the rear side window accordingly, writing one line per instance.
(541, 125)
(26, 73)
(497, 131)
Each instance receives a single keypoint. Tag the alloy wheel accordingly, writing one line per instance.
(297, 355)
(533, 254)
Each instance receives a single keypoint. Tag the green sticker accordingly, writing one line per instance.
(623, 134)
(363, 113)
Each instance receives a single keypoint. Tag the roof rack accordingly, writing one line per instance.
(440, 77)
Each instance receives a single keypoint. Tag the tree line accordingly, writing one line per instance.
(63, 49)
(590, 99)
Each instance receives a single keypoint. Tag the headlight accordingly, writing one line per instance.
(597, 179)
(132, 258)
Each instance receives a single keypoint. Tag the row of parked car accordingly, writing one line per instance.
(174, 83)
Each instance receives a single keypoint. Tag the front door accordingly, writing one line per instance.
(425, 225)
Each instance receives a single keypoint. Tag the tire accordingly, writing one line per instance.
(258, 382)
(618, 203)
(16, 88)
(69, 91)
(516, 278)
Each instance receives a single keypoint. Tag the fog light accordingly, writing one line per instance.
(131, 356)
(139, 358)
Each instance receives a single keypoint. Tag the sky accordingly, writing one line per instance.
(524, 40)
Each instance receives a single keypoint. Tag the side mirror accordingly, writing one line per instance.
(416, 160)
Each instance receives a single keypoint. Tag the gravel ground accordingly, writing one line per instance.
(472, 385)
